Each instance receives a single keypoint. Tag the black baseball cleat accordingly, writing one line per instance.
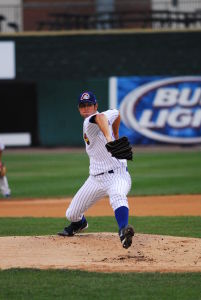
(74, 228)
(126, 234)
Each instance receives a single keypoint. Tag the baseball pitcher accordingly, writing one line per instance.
(108, 172)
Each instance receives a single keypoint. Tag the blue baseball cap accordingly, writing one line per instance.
(87, 97)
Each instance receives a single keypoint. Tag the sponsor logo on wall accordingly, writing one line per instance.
(160, 109)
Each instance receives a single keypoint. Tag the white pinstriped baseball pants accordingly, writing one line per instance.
(115, 185)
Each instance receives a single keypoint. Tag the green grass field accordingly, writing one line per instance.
(175, 226)
(39, 285)
(60, 175)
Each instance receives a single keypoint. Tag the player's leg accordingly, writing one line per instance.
(87, 195)
(117, 191)
(4, 187)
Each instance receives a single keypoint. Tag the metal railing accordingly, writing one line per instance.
(137, 19)
(58, 15)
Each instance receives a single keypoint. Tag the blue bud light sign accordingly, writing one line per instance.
(158, 109)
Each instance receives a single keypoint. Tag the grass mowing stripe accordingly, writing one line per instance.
(60, 284)
(175, 226)
(62, 174)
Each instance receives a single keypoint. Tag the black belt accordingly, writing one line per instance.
(110, 172)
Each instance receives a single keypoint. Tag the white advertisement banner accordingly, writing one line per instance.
(7, 60)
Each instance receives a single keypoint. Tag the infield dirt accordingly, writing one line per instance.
(102, 252)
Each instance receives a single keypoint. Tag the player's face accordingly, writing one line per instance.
(87, 109)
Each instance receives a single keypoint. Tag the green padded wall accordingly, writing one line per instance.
(59, 120)
(78, 57)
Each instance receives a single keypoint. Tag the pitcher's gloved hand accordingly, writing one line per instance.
(120, 148)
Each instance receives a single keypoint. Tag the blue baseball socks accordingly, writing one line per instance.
(121, 215)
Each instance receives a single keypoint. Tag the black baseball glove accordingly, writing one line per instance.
(120, 148)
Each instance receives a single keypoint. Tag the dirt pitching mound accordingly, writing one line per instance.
(102, 252)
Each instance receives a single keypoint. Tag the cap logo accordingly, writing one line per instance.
(85, 96)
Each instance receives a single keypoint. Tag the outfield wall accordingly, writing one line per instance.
(61, 65)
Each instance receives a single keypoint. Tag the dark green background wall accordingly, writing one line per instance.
(62, 66)
(59, 120)
(78, 57)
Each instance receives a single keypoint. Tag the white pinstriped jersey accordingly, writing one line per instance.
(100, 159)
